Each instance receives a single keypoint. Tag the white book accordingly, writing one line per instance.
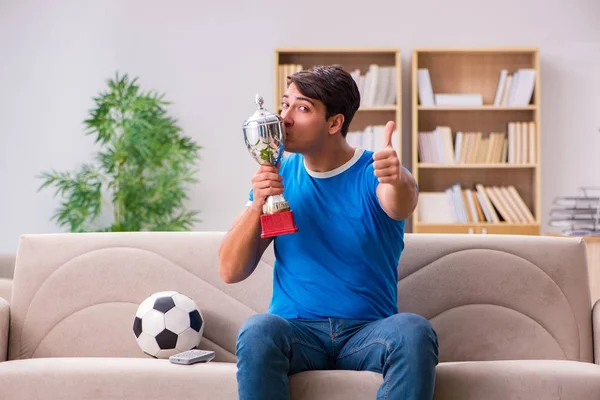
(531, 130)
(455, 211)
(435, 207)
(368, 82)
(525, 87)
(458, 99)
(482, 204)
(361, 88)
(354, 139)
(447, 145)
(513, 89)
(460, 204)
(439, 147)
(425, 88)
(367, 138)
(391, 93)
(469, 195)
(500, 88)
(423, 156)
(374, 87)
(511, 143)
(378, 131)
(458, 147)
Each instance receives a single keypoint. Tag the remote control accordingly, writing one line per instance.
(192, 356)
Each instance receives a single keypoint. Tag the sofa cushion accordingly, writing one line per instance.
(519, 379)
(136, 378)
(334, 385)
(489, 380)
(115, 378)
(146, 378)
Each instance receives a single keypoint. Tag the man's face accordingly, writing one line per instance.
(304, 121)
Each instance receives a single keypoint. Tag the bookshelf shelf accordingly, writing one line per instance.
(478, 224)
(477, 108)
(377, 108)
(379, 68)
(481, 228)
(475, 150)
(475, 166)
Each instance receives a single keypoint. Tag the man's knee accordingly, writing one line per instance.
(259, 327)
(413, 330)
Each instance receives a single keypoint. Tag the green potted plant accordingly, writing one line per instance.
(140, 172)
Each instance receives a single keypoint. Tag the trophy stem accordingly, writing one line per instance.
(275, 204)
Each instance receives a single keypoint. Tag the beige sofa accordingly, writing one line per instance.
(513, 316)
(7, 266)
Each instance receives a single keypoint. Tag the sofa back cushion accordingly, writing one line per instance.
(77, 294)
(488, 297)
(500, 297)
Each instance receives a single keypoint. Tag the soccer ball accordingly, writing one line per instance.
(167, 323)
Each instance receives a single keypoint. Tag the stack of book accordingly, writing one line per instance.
(577, 215)
(371, 138)
(472, 205)
(518, 147)
(377, 86)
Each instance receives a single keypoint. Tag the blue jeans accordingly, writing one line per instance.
(403, 347)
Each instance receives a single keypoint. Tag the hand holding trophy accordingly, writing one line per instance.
(264, 136)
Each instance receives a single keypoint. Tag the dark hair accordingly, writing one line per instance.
(333, 86)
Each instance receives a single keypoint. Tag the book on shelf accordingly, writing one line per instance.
(513, 90)
(370, 138)
(480, 204)
(286, 70)
(377, 86)
(425, 89)
(458, 99)
(518, 146)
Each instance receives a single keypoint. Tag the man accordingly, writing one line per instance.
(334, 303)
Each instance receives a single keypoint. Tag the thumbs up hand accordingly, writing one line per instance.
(386, 162)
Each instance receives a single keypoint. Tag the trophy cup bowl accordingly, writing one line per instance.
(265, 137)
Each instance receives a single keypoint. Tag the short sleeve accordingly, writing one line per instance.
(250, 197)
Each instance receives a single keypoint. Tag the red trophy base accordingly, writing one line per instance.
(280, 223)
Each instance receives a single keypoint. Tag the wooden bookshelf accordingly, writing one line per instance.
(352, 59)
(476, 71)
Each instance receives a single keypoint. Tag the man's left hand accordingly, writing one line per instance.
(387, 166)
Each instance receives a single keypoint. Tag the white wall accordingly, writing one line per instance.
(210, 58)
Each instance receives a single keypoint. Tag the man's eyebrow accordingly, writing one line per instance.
(285, 96)
(305, 99)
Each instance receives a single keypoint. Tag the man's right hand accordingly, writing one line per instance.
(266, 182)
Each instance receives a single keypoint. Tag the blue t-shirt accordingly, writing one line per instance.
(343, 260)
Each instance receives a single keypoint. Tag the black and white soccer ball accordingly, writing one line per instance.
(168, 323)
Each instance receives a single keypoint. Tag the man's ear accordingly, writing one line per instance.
(335, 123)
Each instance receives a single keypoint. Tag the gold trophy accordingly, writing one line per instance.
(265, 137)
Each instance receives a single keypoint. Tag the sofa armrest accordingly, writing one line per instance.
(596, 331)
(4, 326)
